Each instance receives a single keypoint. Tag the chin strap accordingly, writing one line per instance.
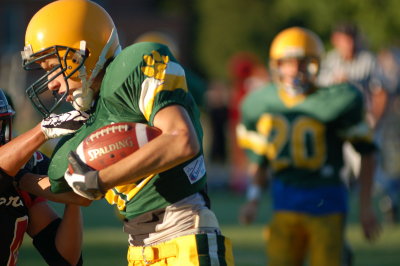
(82, 101)
(102, 57)
(83, 96)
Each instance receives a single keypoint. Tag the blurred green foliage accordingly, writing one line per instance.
(224, 27)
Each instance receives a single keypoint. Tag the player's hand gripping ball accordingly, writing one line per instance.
(109, 144)
(102, 148)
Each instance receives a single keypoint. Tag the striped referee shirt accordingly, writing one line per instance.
(362, 70)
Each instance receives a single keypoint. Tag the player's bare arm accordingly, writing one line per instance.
(177, 143)
(67, 235)
(259, 178)
(368, 219)
(18, 151)
(40, 186)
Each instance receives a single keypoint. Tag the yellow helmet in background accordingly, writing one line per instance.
(160, 37)
(299, 43)
(80, 33)
(296, 42)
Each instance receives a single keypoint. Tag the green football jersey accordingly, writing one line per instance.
(300, 137)
(140, 81)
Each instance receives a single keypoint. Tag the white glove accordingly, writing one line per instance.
(56, 126)
(84, 179)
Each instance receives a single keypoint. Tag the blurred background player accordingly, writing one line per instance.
(387, 134)
(58, 240)
(161, 189)
(350, 61)
(295, 131)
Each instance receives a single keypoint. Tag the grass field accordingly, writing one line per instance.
(105, 244)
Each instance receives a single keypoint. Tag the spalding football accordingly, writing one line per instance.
(109, 144)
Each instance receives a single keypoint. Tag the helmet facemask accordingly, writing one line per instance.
(301, 83)
(70, 61)
(6, 115)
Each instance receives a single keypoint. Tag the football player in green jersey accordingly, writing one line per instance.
(296, 131)
(161, 188)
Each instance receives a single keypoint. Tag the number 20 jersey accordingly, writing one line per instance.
(300, 139)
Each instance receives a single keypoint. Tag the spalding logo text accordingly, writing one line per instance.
(95, 153)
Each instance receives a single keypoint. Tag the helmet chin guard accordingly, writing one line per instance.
(83, 97)
(82, 102)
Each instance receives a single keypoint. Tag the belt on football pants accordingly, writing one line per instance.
(150, 253)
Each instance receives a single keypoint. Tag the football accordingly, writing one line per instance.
(109, 144)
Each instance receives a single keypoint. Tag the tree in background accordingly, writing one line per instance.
(224, 27)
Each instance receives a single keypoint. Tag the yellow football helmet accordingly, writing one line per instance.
(298, 43)
(82, 35)
(160, 37)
